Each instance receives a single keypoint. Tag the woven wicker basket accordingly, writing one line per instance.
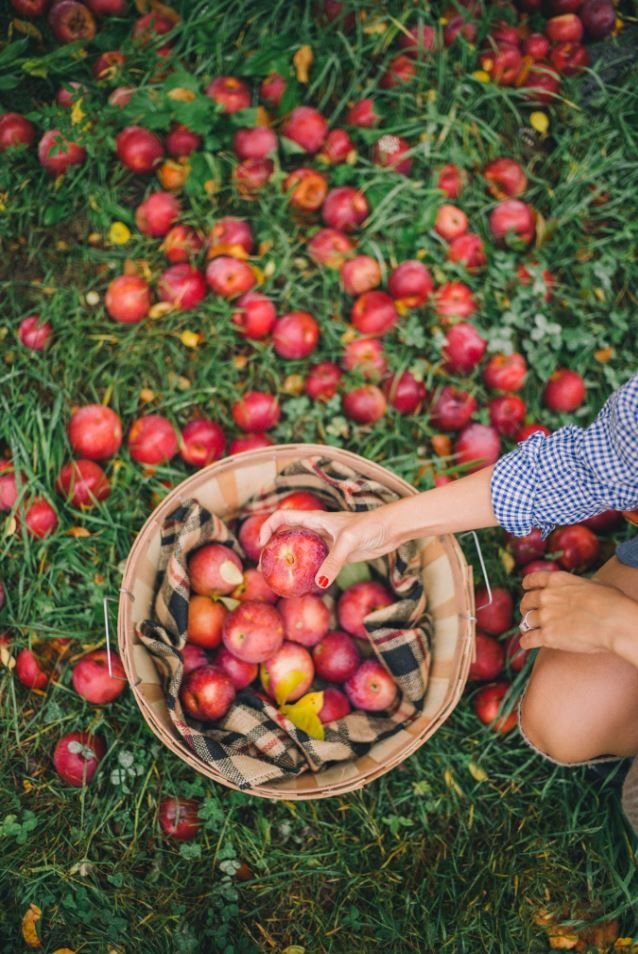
(222, 488)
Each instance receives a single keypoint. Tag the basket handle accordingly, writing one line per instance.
(479, 552)
(105, 604)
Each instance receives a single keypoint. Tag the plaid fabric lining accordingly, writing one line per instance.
(255, 743)
(574, 473)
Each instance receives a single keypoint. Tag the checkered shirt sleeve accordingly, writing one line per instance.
(573, 473)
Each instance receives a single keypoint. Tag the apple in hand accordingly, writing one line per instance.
(371, 687)
(207, 694)
(214, 570)
(287, 674)
(205, 621)
(253, 631)
(357, 602)
(178, 818)
(306, 619)
(76, 756)
(290, 560)
(92, 681)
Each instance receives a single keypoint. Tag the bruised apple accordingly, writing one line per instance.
(253, 631)
(207, 694)
(360, 274)
(214, 570)
(205, 622)
(359, 601)
(203, 441)
(290, 560)
(287, 675)
(92, 681)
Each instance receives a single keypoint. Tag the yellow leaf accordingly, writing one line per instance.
(77, 113)
(143, 6)
(302, 61)
(30, 926)
(377, 26)
(191, 339)
(161, 308)
(258, 273)
(481, 76)
(539, 121)
(478, 774)
(293, 384)
(288, 685)
(603, 355)
(563, 942)
(6, 658)
(78, 532)
(64, 950)
(450, 781)
(507, 560)
(119, 233)
(262, 117)
(147, 395)
(28, 28)
(305, 713)
(181, 95)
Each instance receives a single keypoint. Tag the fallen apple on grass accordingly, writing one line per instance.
(35, 333)
(178, 818)
(95, 432)
(487, 704)
(496, 617)
(92, 681)
(29, 670)
(152, 439)
(76, 757)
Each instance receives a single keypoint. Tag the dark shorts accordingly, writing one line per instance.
(627, 552)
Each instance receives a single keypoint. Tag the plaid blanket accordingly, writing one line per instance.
(254, 743)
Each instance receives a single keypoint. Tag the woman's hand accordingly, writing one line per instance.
(353, 537)
(575, 614)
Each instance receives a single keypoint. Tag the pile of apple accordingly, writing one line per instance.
(263, 624)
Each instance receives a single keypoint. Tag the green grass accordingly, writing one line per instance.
(426, 859)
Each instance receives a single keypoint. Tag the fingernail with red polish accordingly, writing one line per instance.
(323, 581)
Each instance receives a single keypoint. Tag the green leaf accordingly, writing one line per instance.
(353, 573)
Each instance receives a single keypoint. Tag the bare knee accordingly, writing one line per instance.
(541, 728)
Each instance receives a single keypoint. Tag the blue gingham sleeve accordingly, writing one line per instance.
(573, 473)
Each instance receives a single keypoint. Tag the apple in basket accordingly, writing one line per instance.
(255, 588)
(205, 621)
(290, 560)
(253, 631)
(240, 673)
(487, 703)
(76, 757)
(287, 674)
(336, 657)
(371, 687)
(207, 693)
(357, 602)
(306, 618)
(92, 681)
(193, 657)
(214, 570)
(335, 705)
(249, 535)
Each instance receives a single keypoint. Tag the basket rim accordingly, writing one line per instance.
(463, 586)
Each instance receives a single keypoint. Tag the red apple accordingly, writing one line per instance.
(254, 588)
(451, 180)
(367, 356)
(401, 70)
(515, 655)
(539, 566)
(207, 694)
(258, 142)
(57, 154)
(251, 175)
(405, 393)
(336, 657)
(467, 250)
(76, 756)
(490, 658)
(374, 313)
(605, 522)
(357, 602)
(229, 277)
(203, 441)
(569, 58)
(181, 243)
(30, 8)
(35, 333)
(8, 485)
(507, 413)
(301, 500)
(107, 8)
(71, 21)
(505, 178)
(371, 687)
(496, 617)
(392, 152)
(410, 283)
(95, 432)
(178, 818)
(240, 673)
(345, 208)
(255, 316)
(450, 222)
(290, 560)
(454, 300)
(122, 96)
(92, 681)
(230, 93)
(330, 247)
(214, 570)
(272, 88)
(458, 26)
(306, 619)
(575, 547)
(542, 85)
(231, 236)
(29, 670)
(487, 704)
(182, 141)
(155, 215)
(249, 535)
(528, 429)
(479, 445)
(152, 440)
(503, 63)
(253, 631)
(599, 18)
(256, 411)
(505, 372)
(182, 286)
(128, 299)
(337, 148)
(418, 40)
(566, 28)
(565, 391)
(364, 405)
(40, 518)
(108, 65)
(306, 127)
(205, 621)
(139, 149)
(526, 548)
(536, 46)
(15, 131)
(361, 274)
(335, 705)
(463, 349)
(295, 335)
(149, 28)
(287, 675)
(83, 483)
(322, 381)
(363, 114)
(306, 189)
(503, 32)
(452, 409)
(193, 657)
(248, 442)
(513, 219)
